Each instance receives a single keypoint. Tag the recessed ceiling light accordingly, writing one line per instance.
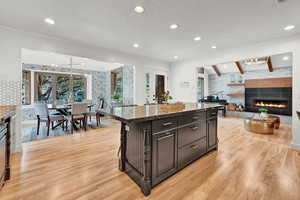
(174, 26)
(139, 9)
(198, 38)
(175, 57)
(289, 27)
(135, 45)
(213, 47)
(285, 58)
(49, 21)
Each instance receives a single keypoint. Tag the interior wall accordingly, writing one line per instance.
(12, 41)
(184, 71)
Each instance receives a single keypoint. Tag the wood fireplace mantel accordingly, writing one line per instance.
(285, 82)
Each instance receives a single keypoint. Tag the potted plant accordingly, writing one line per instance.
(263, 112)
(165, 97)
(116, 97)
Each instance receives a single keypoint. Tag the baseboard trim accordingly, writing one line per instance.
(295, 146)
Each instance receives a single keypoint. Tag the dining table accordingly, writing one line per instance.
(65, 110)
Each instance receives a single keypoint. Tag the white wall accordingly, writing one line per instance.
(185, 71)
(12, 41)
(296, 97)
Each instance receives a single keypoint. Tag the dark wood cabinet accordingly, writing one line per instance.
(153, 149)
(4, 151)
(164, 156)
(212, 128)
(2, 157)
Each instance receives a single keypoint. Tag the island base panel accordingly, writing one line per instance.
(144, 147)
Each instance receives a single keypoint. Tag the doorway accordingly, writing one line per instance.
(159, 86)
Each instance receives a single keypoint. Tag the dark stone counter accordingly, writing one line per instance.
(157, 111)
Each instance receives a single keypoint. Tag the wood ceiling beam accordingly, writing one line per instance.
(216, 70)
(270, 65)
(239, 66)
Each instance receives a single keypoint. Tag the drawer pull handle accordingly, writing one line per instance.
(214, 113)
(195, 117)
(167, 124)
(195, 146)
(195, 128)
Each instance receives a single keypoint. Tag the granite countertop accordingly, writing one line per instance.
(151, 112)
(6, 112)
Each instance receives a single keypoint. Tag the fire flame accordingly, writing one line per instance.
(270, 105)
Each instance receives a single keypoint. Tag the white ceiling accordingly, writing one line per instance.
(277, 62)
(113, 24)
(60, 60)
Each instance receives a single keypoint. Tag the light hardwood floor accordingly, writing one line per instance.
(85, 166)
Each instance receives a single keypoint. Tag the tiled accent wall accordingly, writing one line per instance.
(218, 84)
(10, 92)
(128, 77)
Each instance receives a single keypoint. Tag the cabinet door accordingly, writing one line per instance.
(212, 127)
(164, 159)
(2, 157)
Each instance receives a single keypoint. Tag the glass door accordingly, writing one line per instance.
(200, 88)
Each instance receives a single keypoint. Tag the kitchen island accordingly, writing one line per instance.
(159, 140)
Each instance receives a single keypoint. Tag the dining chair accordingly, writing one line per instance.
(96, 113)
(78, 113)
(43, 115)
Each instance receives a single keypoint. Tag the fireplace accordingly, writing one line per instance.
(276, 100)
(271, 103)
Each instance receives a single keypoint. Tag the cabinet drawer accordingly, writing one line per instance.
(192, 117)
(191, 133)
(164, 124)
(212, 112)
(191, 152)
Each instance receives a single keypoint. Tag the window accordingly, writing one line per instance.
(200, 88)
(117, 85)
(50, 87)
(26, 86)
(148, 86)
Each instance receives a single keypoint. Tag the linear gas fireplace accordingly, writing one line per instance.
(276, 100)
(271, 103)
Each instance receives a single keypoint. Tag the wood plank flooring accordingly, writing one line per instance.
(85, 166)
